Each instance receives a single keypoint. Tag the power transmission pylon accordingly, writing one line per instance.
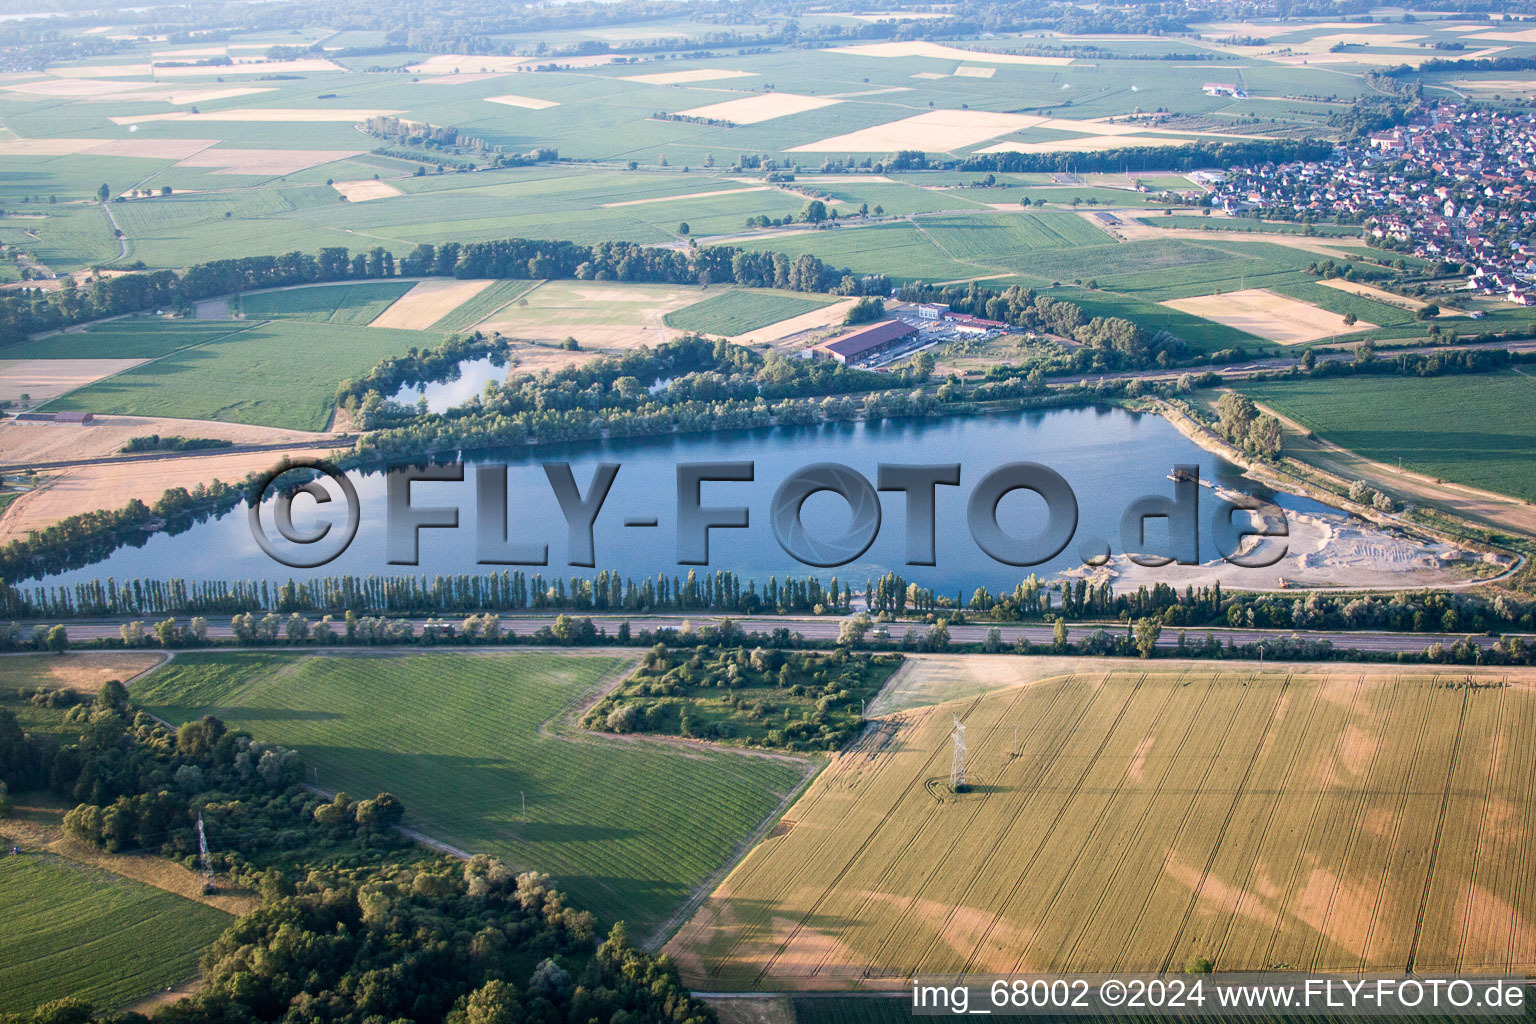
(957, 764)
(202, 850)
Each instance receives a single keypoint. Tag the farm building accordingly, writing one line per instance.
(1237, 92)
(965, 323)
(56, 417)
(864, 342)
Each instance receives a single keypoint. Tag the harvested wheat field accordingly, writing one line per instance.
(971, 71)
(917, 48)
(23, 442)
(1085, 144)
(1366, 291)
(428, 302)
(538, 358)
(1307, 818)
(938, 131)
(263, 115)
(816, 319)
(1265, 314)
(764, 107)
(42, 379)
(366, 190)
(298, 66)
(526, 102)
(597, 314)
(682, 77)
(689, 195)
(264, 161)
(79, 489)
(81, 671)
(46, 147)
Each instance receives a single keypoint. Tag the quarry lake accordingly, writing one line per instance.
(1109, 456)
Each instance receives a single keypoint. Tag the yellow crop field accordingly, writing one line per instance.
(1322, 818)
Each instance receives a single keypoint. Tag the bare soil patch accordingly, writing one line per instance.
(696, 75)
(81, 671)
(816, 319)
(428, 302)
(23, 442)
(1268, 315)
(764, 107)
(79, 489)
(689, 195)
(264, 161)
(366, 190)
(154, 149)
(42, 379)
(538, 358)
(263, 115)
(526, 102)
(942, 52)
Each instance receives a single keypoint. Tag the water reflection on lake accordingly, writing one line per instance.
(1109, 456)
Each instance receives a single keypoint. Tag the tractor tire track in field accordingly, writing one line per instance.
(958, 834)
(1397, 827)
(1357, 822)
(1522, 872)
(888, 818)
(1496, 749)
(1434, 848)
(1242, 784)
(1103, 821)
(714, 963)
(1289, 888)
(1276, 800)
(1189, 731)
(1045, 835)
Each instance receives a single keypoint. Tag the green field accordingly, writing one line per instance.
(628, 829)
(147, 338)
(740, 311)
(76, 930)
(275, 374)
(355, 304)
(1248, 224)
(1475, 429)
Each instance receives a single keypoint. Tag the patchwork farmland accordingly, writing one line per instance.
(101, 937)
(614, 822)
(1297, 818)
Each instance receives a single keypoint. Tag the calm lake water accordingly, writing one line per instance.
(474, 375)
(1109, 456)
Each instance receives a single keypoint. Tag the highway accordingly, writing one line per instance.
(827, 628)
